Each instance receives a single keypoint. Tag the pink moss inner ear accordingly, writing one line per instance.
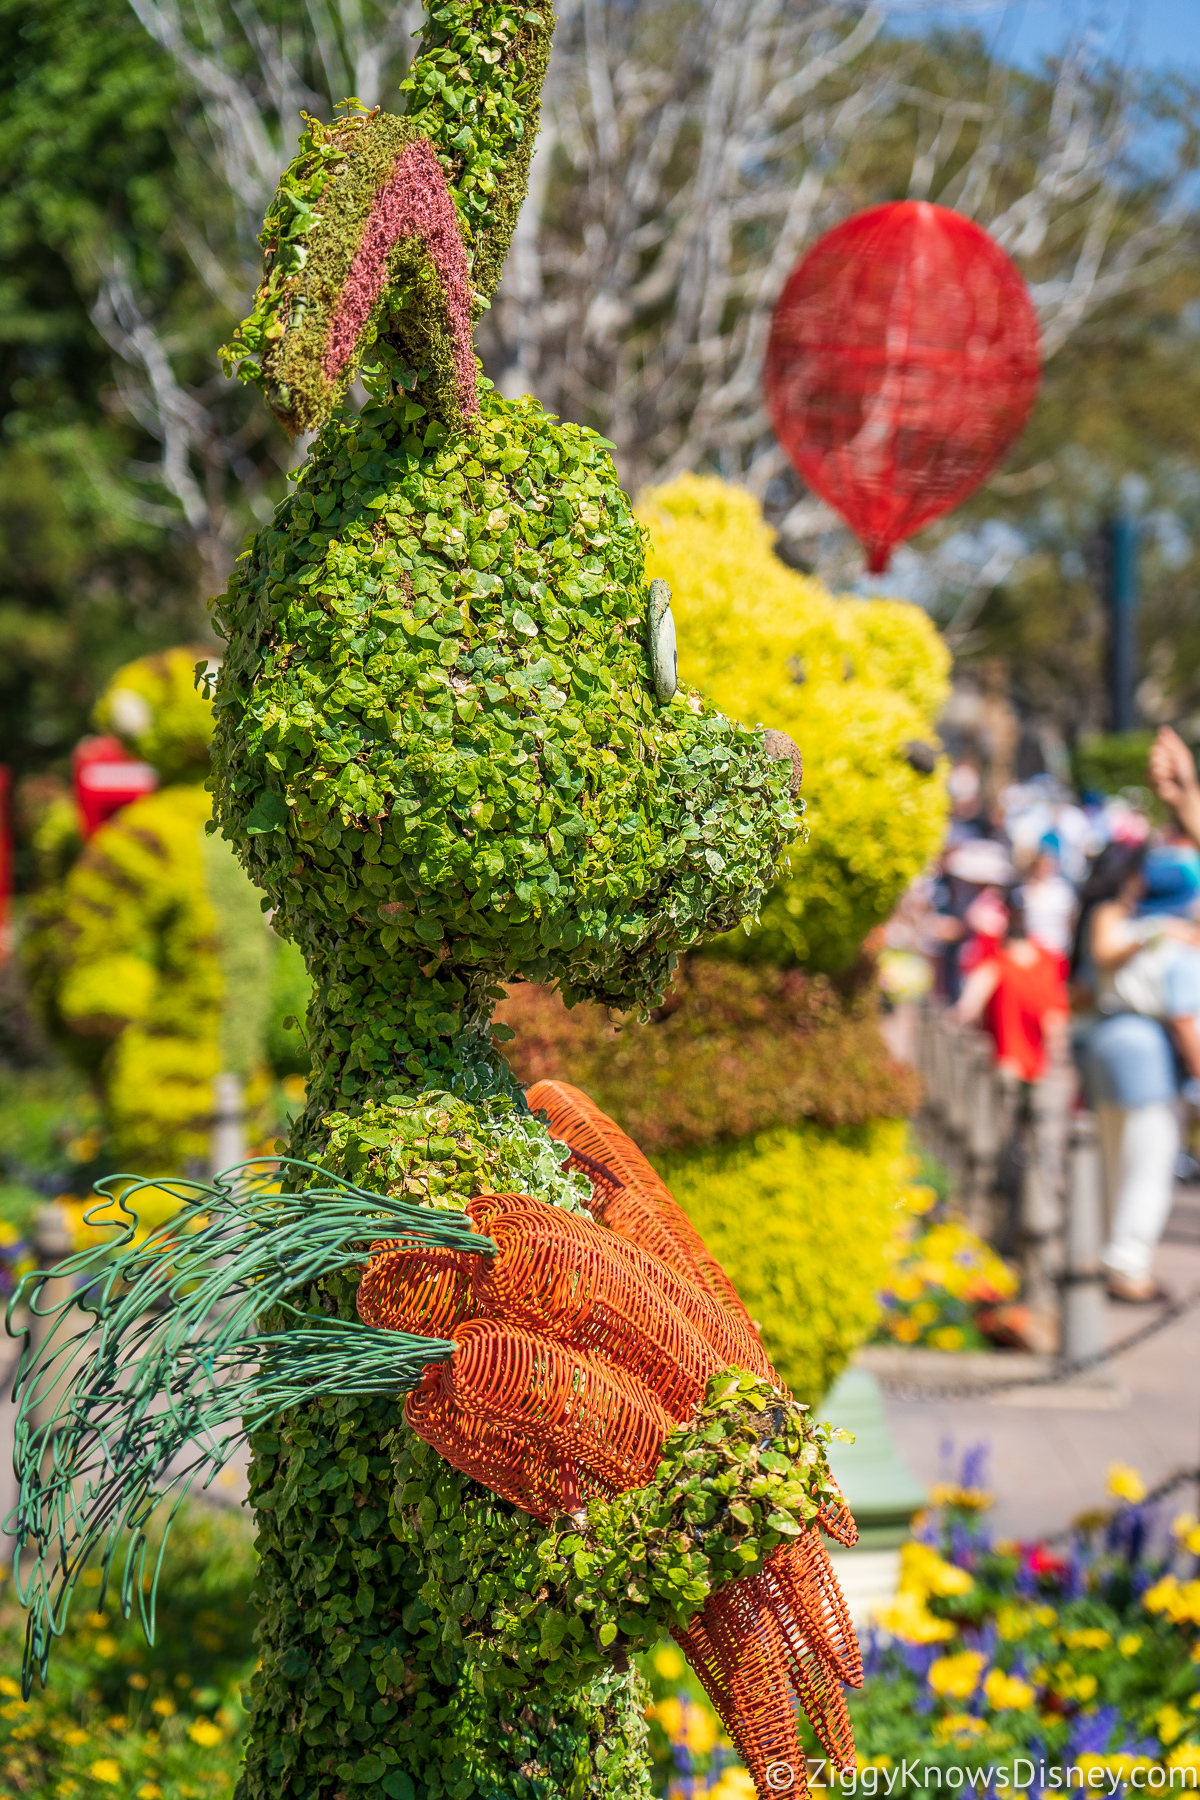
(415, 203)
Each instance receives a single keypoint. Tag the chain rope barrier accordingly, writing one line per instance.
(1062, 1372)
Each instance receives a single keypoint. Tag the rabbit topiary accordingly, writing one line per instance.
(451, 750)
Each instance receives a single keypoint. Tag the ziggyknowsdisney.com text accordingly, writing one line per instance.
(1020, 1776)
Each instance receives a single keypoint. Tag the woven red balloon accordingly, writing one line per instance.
(903, 362)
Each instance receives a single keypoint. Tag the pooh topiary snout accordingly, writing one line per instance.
(781, 748)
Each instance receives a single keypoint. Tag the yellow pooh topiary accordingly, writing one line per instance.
(854, 682)
(153, 967)
(776, 1208)
(154, 707)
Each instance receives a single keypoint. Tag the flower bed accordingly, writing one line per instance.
(119, 1717)
(942, 1278)
(1010, 1663)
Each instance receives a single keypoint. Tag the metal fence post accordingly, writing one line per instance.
(954, 1099)
(228, 1141)
(1083, 1276)
(1041, 1207)
(983, 1135)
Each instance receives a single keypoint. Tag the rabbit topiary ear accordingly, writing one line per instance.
(393, 231)
(362, 241)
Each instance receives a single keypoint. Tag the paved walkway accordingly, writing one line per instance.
(1047, 1464)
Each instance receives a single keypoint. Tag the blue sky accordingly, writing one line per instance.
(1160, 34)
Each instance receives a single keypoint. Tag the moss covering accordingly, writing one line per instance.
(853, 681)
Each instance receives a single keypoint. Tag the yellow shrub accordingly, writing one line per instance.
(802, 1220)
(852, 681)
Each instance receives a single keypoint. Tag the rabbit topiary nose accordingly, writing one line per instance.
(779, 745)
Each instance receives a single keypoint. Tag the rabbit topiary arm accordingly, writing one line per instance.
(393, 231)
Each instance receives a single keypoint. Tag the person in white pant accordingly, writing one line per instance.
(1131, 1080)
(1131, 1069)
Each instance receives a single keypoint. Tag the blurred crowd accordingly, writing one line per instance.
(1069, 928)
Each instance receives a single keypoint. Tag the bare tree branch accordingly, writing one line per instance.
(697, 148)
(251, 78)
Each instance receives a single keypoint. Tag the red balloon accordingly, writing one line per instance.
(903, 361)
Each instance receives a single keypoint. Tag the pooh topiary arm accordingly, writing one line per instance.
(394, 230)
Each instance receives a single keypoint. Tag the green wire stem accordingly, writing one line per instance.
(176, 1364)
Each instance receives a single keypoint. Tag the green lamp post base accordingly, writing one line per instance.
(882, 1492)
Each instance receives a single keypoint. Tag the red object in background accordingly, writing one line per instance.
(903, 361)
(1024, 995)
(106, 778)
(6, 860)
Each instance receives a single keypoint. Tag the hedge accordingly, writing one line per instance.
(803, 1221)
(732, 1050)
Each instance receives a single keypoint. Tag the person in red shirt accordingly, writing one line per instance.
(1019, 993)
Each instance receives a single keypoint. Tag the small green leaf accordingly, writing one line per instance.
(268, 813)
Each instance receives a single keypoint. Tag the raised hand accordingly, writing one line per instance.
(1172, 774)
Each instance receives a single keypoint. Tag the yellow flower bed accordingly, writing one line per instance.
(941, 1272)
(1177, 1600)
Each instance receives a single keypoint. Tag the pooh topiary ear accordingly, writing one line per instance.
(392, 231)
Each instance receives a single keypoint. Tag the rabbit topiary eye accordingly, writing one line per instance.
(664, 661)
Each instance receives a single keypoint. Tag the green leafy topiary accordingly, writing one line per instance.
(442, 774)
(442, 755)
(638, 1565)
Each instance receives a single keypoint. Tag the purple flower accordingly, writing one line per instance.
(683, 1759)
(974, 1465)
(919, 1658)
(962, 1545)
(1091, 1733)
